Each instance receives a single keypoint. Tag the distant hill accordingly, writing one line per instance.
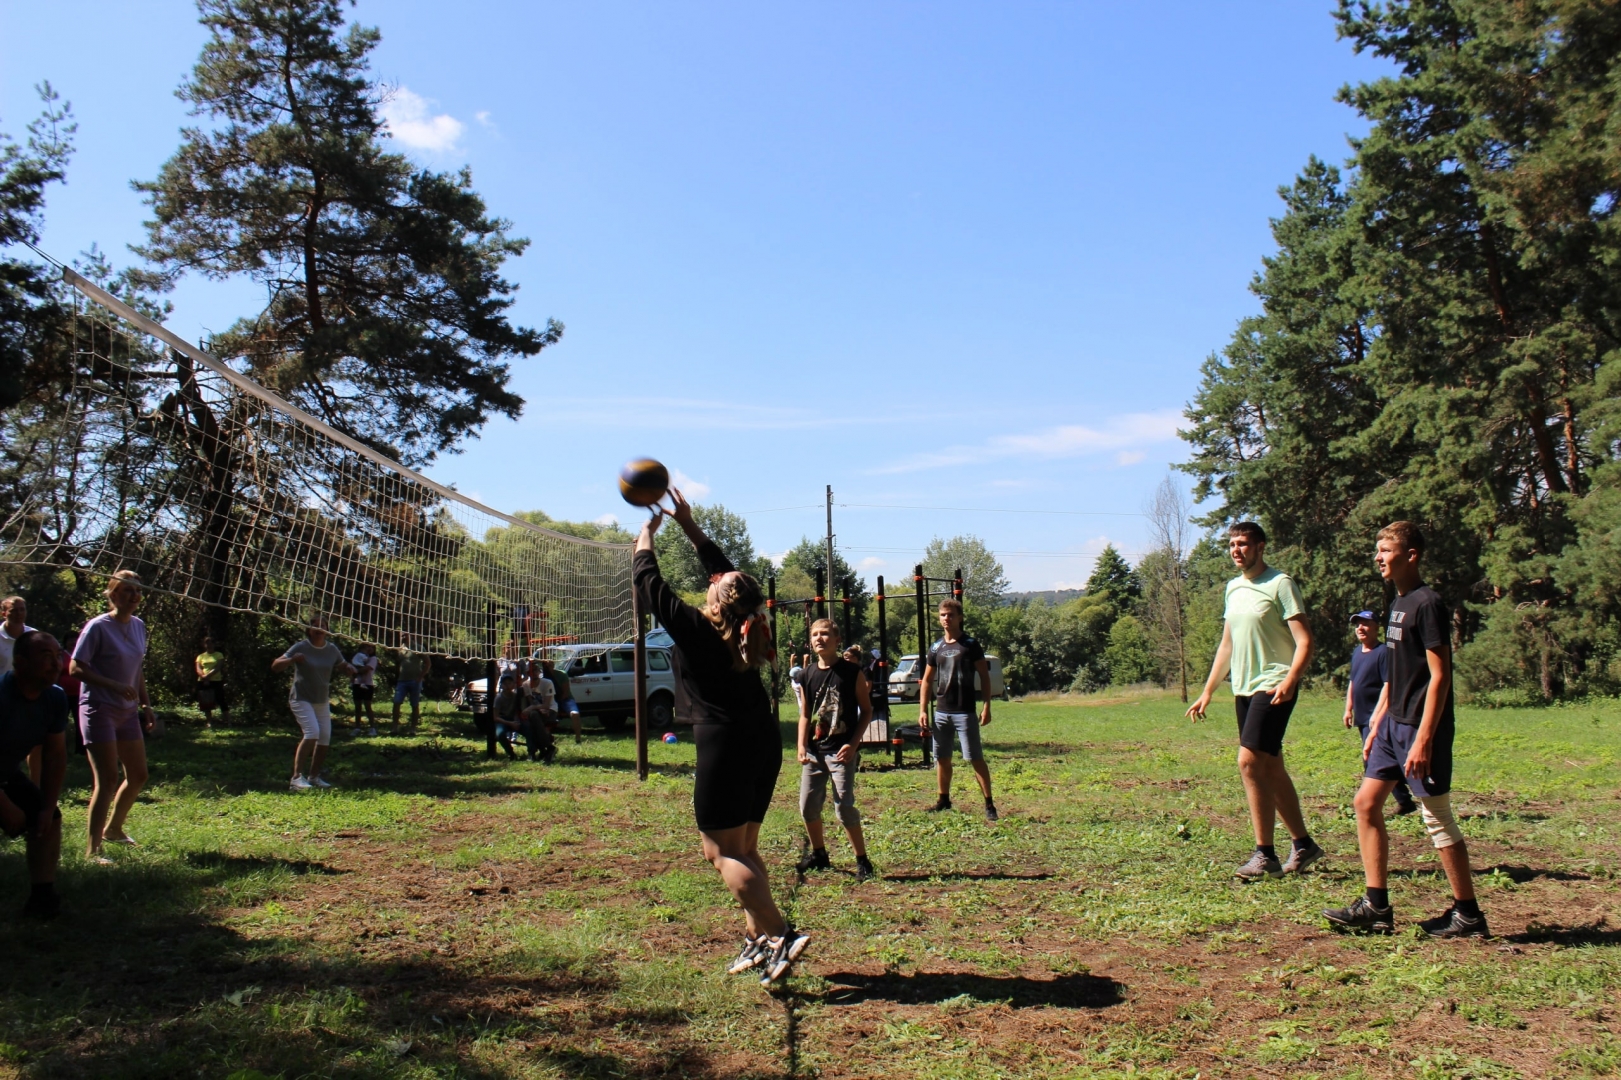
(1052, 596)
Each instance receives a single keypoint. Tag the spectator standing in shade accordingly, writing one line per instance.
(13, 625)
(414, 668)
(1366, 691)
(210, 668)
(34, 715)
(363, 684)
(115, 712)
(312, 662)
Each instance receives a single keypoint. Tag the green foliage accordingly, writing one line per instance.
(1130, 657)
(983, 581)
(1438, 341)
(1114, 580)
(801, 564)
(30, 308)
(388, 312)
(678, 559)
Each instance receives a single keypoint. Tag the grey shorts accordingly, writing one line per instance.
(966, 728)
(813, 779)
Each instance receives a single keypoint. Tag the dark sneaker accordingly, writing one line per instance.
(43, 905)
(1260, 866)
(816, 860)
(1405, 807)
(942, 803)
(864, 869)
(754, 952)
(1453, 923)
(1362, 915)
(990, 811)
(1301, 858)
(783, 952)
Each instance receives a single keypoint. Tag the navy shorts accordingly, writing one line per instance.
(1261, 724)
(1387, 760)
(26, 797)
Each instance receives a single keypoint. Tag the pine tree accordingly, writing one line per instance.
(387, 312)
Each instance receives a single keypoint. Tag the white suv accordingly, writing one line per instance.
(903, 680)
(602, 680)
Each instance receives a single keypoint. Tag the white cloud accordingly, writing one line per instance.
(1060, 585)
(608, 519)
(483, 118)
(1123, 433)
(408, 119)
(694, 490)
(1129, 457)
(871, 562)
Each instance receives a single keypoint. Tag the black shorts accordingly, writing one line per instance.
(1261, 724)
(1387, 758)
(737, 773)
(21, 791)
(363, 694)
(211, 695)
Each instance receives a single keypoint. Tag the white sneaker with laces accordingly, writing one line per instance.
(299, 784)
(320, 781)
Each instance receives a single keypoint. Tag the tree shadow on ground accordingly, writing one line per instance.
(967, 875)
(1522, 874)
(923, 988)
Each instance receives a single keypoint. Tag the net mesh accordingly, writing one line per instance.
(160, 459)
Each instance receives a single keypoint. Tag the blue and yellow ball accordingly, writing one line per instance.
(643, 482)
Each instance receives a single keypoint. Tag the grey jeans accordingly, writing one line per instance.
(813, 778)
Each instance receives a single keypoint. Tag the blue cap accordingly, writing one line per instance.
(1365, 616)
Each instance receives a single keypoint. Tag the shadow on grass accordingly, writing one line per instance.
(968, 875)
(1522, 874)
(240, 865)
(923, 988)
(1596, 933)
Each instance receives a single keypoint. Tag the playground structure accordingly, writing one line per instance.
(881, 731)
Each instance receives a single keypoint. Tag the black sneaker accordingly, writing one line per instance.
(1361, 915)
(1301, 858)
(990, 811)
(783, 952)
(43, 905)
(754, 952)
(816, 860)
(1405, 807)
(942, 803)
(1453, 923)
(864, 869)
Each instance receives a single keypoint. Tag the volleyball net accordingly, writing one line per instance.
(159, 458)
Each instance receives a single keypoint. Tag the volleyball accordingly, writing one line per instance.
(643, 482)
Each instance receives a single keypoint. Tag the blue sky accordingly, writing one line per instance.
(939, 255)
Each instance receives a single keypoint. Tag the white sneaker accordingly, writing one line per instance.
(300, 784)
(319, 781)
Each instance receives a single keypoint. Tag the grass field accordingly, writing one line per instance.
(440, 915)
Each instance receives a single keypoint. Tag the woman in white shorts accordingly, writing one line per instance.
(312, 662)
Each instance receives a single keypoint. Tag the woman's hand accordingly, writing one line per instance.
(680, 509)
(130, 693)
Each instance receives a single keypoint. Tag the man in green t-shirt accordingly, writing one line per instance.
(1266, 645)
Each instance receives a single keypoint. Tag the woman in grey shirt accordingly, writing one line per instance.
(312, 662)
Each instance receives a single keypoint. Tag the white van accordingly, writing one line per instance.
(602, 679)
(903, 680)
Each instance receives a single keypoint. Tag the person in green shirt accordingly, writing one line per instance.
(210, 668)
(1265, 645)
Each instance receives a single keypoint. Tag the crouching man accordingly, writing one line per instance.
(34, 713)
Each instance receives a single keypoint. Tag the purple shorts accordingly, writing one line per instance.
(104, 723)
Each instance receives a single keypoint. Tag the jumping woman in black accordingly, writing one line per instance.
(718, 653)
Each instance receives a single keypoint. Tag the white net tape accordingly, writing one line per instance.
(160, 459)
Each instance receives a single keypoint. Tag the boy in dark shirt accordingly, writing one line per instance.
(1411, 734)
(34, 712)
(833, 713)
(1365, 691)
(953, 662)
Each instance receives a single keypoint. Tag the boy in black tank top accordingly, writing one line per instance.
(834, 711)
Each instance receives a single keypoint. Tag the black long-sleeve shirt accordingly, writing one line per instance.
(707, 689)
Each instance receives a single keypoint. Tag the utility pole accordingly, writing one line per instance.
(830, 540)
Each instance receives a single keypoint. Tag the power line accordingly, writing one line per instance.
(956, 509)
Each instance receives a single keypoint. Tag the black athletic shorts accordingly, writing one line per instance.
(737, 773)
(363, 694)
(1261, 724)
(1387, 758)
(21, 791)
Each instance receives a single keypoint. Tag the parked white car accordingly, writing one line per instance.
(602, 679)
(903, 680)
